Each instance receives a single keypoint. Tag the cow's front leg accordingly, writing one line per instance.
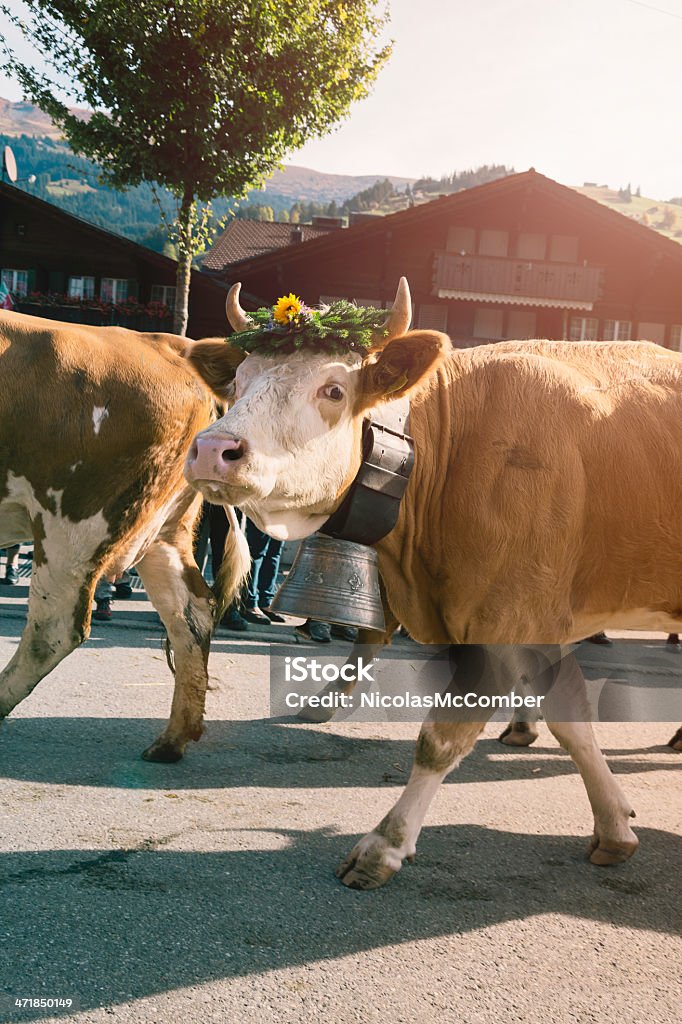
(613, 841)
(186, 605)
(369, 645)
(59, 605)
(377, 857)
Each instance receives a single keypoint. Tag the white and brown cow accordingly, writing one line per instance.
(95, 424)
(545, 504)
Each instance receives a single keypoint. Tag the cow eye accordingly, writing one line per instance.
(333, 392)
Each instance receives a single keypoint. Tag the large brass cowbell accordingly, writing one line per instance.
(333, 581)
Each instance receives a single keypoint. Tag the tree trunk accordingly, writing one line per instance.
(186, 217)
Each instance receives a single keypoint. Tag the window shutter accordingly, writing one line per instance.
(31, 287)
(56, 281)
(133, 288)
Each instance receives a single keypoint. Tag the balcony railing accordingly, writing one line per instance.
(551, 283)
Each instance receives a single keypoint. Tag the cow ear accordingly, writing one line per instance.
(216, 362)
(401, 367)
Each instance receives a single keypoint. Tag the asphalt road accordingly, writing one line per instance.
(204, 891)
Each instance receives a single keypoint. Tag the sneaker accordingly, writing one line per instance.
(103, 610)
(11, 577)
(273, 616)
(320, 632)
(349, 633)
(234, 621)
(123, 590)
(252, 615)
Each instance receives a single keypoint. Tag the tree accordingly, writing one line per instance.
(203, 97)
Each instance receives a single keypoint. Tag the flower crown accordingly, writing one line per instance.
(290, 326)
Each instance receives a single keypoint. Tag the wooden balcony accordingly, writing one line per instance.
(522, 282)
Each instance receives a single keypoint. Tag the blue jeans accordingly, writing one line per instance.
(265, 556)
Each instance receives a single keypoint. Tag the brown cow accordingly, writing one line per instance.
(95, 423)
(545, 504)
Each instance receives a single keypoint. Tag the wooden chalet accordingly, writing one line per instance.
(520, 257)
(48, 255)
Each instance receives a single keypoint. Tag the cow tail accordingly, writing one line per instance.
(235, 566)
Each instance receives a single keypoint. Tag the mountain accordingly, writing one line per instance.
(291, 184)
(24, 119)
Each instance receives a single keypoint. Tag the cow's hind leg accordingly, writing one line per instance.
(676, 741)
(59, 605)
(377, 857)
(522, 729)
(186, 605)
(613, 841)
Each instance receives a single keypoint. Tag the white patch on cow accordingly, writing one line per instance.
(67, 559)
(99, 414)
(68, 546)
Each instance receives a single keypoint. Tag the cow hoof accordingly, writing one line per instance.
(676, 741)
(370, 864)
(163, 752)
(518, 734)
(318, 715)
(604, 852)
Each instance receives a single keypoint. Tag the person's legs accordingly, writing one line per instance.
(11, 575)
(258, 546)
(267, 578)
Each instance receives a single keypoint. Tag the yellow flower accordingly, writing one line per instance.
(287, 308)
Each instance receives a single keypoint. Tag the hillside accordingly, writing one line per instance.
(71, 182)
(664, 217)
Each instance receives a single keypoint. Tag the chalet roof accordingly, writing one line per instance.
(106, 238)
(243, 239)
(459, 202)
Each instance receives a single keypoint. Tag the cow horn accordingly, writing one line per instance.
(238, 319)
(398, 320)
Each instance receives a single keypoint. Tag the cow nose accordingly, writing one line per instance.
(209, 455)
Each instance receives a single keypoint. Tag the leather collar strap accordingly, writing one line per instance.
(370, 509)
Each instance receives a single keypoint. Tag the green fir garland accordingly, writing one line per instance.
(338, 329)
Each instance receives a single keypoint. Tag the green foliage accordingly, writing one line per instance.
(202, 94)
(462, 179)
(201, 97)
(337, 329)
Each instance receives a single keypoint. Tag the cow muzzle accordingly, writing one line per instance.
(215, 458)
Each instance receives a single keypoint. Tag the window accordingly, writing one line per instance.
(82, 287)
(493, 243)
(584, 328)
(488, 323)
(676, 337)
(563, 249)
(651, 332)
(531, 247)
(461, 240)
(326, 300)
(16, 281)
(114, 289)
(617, 330)
(432, 317)
(521, 324)
(164, 293)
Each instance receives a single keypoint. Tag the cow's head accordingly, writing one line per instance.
(290, 445)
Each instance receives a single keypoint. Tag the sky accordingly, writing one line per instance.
(582, 90)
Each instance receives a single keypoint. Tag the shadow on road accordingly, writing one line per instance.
(128, 923)
(275, 754)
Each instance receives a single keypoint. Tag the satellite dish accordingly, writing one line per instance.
(9, 164)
